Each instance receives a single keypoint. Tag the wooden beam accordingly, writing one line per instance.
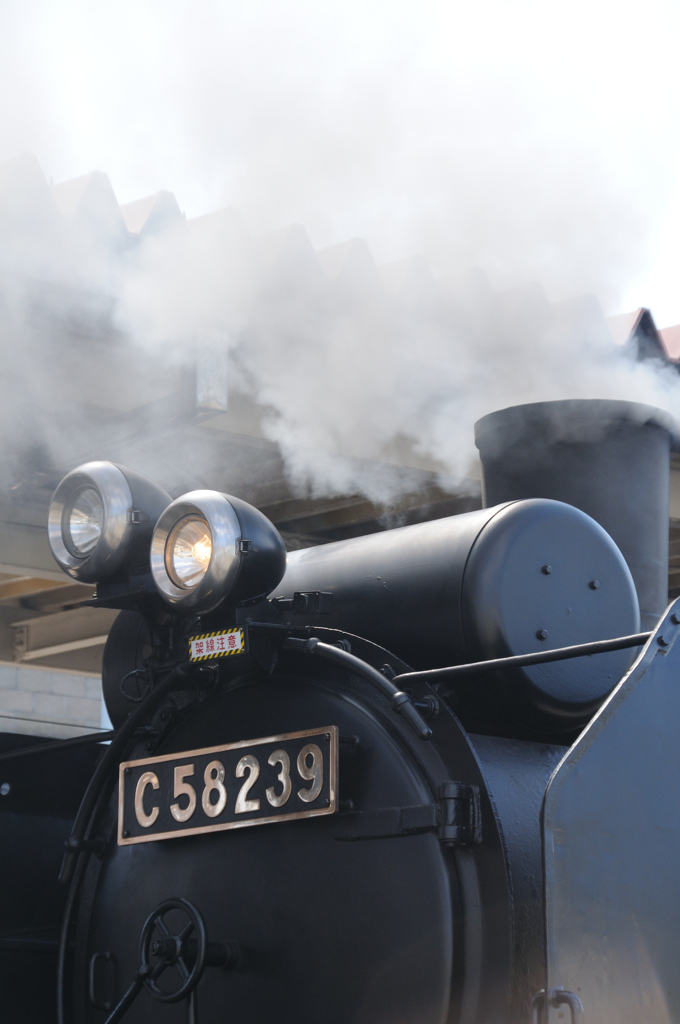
(47, 635)
(24, 586)
(65, 648)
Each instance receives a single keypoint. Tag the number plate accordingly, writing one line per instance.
(277, 778)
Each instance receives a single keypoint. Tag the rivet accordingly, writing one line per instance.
(594, 584)
(5, 788)
(546, 570)
(126, 771)
(675, 619)
(662, 642)
(126, 834)
(542, 634)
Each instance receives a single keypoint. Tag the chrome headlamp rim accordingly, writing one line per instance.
(107, 554)
(225, 530)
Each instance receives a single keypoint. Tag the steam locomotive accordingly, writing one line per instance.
(423, 776)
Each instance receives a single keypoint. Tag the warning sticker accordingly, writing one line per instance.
(217, 645)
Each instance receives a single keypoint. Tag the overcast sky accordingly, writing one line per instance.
(537, 140)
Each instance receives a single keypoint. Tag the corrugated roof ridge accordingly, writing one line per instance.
(151, 212)
(623, 325)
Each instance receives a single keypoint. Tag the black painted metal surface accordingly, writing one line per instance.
(39, 796)
(500, 582)
(331, 931)
(612, 849)
(608, 458)
(516, 773)
(367, 916)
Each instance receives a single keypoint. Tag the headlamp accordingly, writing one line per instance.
(100, 521)
(210, 547)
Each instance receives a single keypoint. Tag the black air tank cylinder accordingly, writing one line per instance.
(516, 578)
(608, 458)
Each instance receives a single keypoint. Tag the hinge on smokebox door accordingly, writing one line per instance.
(460, 819)
(455, 818)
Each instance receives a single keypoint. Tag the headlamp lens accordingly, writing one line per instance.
(188, 551)
(84, 521)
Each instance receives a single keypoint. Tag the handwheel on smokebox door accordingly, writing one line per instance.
(187, 952)
(173, 950)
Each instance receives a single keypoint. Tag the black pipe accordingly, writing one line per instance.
(436, 675)
(77, 847)
(46, 748)
(111, 758)
(401, 702)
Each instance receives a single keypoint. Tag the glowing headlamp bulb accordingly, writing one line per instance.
(188, 551)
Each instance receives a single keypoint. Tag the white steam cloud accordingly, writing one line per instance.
(360, 370)
(534, 143)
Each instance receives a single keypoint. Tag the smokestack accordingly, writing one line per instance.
(608, 458)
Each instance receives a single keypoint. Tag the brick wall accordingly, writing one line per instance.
(44, 702)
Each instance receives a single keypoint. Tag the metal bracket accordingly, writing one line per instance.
(556, 997)
(460, 819)
(313, 602)
(135, 515)
(103, 978)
